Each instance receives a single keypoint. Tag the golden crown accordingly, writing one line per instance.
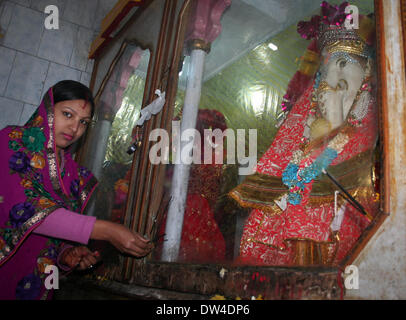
(342, 39)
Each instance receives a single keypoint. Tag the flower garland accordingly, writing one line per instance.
(296, 179)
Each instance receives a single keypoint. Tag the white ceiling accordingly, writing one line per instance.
(247, 23)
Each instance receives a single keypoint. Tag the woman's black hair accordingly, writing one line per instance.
(72, 90)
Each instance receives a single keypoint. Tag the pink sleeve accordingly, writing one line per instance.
(67, 225)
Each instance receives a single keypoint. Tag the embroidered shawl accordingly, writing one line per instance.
(32, 187)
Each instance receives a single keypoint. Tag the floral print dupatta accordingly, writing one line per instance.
(33, 186)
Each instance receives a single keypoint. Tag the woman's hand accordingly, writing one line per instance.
(122, 238)
(80, 257)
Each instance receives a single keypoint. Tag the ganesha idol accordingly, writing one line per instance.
(300, 213)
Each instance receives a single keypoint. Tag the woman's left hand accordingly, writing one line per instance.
(80, 257)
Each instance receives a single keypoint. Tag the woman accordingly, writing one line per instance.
(43, 194)
(298, 219)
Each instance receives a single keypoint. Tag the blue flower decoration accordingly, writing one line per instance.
(289, 176)
(19, 162)
(28, 288)
(74, 188)
(20, 213)
(294, 198)
(83, 172)
(296, 180)
(52, 253)
(301, 184)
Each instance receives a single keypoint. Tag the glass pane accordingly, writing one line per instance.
(312, 106)
(118, 108)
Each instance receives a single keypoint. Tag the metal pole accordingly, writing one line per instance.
(174, 221)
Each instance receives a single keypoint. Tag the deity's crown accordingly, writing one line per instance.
(335, 35)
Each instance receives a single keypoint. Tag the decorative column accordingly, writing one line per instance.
(204, 27)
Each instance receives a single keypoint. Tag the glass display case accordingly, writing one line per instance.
(269, 160)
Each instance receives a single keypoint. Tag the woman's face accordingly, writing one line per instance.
(72, 118)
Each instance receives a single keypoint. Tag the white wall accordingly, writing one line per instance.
(382, 263)
(33, 58)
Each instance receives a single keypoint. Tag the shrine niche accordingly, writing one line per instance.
(294, 184)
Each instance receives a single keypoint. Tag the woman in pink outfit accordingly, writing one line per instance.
(43, 195)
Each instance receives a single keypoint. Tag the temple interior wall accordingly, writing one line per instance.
(33, 58)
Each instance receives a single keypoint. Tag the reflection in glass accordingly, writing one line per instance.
(118, 108)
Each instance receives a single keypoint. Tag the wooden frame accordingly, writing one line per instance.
(146, 177)
(79, 156)
(242, 281)
(110, 23)
(403, 13)
(384, 209)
